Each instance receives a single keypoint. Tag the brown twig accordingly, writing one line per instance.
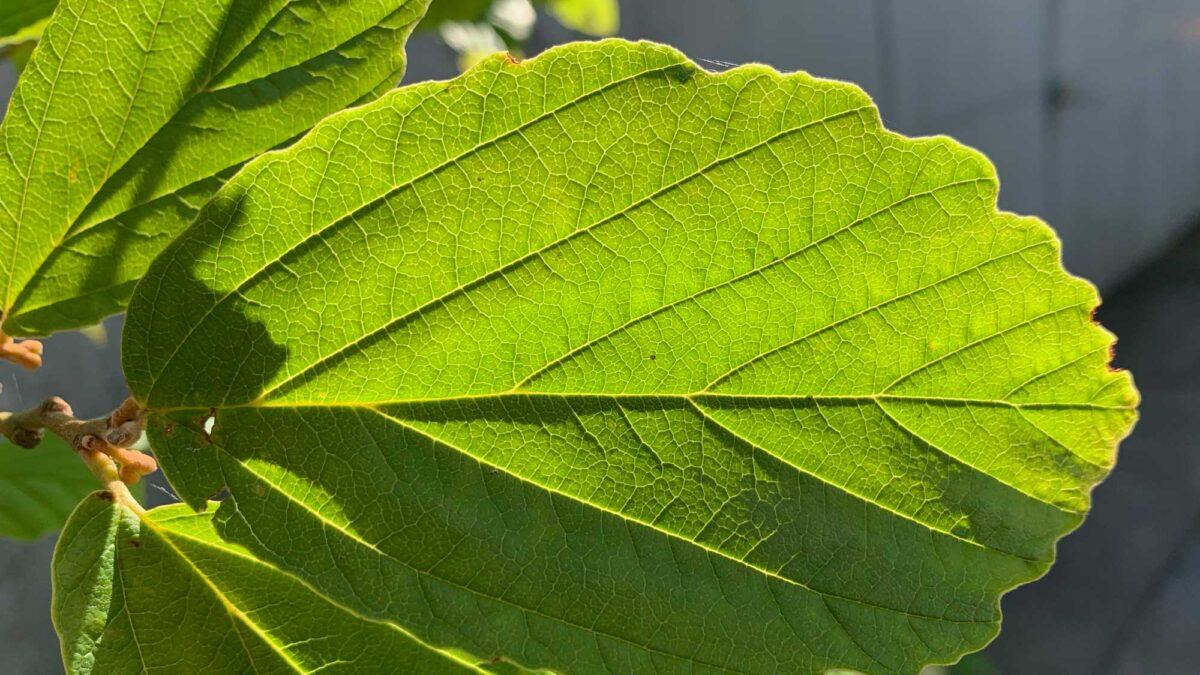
(103, 443)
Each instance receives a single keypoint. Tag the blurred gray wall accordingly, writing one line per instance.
(1089, 109)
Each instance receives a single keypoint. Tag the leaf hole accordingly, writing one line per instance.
(208, 423)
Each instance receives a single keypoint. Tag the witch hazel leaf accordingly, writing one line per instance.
(601, 362)
(160, 591)
(131, 114)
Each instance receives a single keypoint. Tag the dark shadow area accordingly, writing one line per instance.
(189, 345)
(164, 144)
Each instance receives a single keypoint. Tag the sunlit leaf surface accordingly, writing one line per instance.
(132, 113)
(604, 363)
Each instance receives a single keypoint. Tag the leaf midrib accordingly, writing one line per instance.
(694, 396)
(689, 397)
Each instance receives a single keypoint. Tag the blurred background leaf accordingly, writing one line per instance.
(21, 23)
(593, 17)
(476, 28)
(40, 487)
(22, 20)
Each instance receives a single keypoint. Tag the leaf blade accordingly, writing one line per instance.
(613, 298)
(148, 579)
(93, 192)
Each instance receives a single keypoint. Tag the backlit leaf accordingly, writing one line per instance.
(132, 113)
(161, 592)
(604, 363)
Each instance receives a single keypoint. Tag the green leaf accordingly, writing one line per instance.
(593, 17)
(441, 11)
(161, 592)
(23, 21)
(40, 487)
(601, 362)
(131, 114)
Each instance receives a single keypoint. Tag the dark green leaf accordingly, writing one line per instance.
(40, 487)
(22, 21)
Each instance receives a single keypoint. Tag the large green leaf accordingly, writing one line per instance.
(40, 487)
(160, 592)
(131, 114)
(602, 362)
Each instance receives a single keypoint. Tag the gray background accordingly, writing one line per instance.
(1090, 110)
